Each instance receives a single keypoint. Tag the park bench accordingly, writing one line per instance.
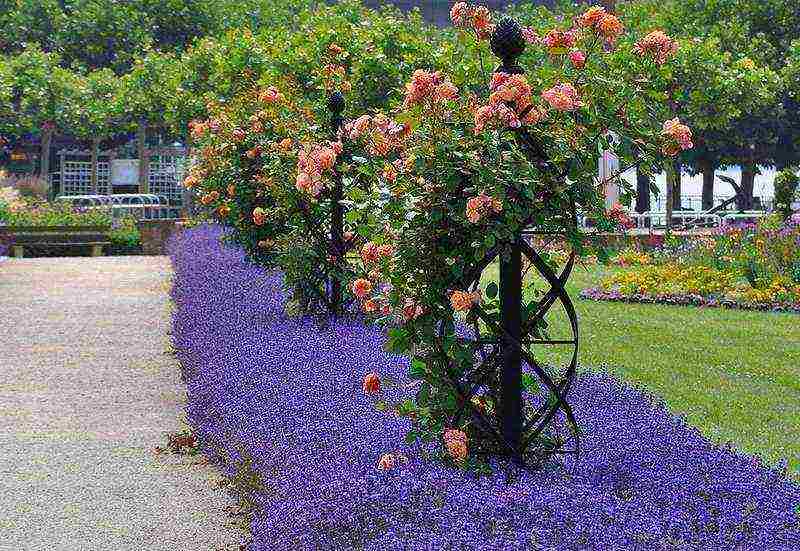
(92, 237)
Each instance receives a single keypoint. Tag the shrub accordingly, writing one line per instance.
(34, 212)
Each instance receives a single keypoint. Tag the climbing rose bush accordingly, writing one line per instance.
(463, 167)
(273, 168)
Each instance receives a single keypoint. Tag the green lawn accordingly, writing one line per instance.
(734, 374)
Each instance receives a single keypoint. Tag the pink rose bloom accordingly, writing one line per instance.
(658, 46)
(530, 35)
(411, 310)
(325, 158)
(578, 59)
(446, 91)
(556, 40)
(359, 126)
(562, 97)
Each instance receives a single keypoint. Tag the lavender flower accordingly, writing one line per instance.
(288, 393)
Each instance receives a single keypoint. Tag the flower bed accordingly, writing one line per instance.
(749, 266)
(289, 394)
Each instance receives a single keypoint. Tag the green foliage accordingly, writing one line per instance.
(88, 105)
(36, 88)
(125, 235)
(786, 191)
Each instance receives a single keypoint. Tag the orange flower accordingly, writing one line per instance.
(362, 288)
(371, 306)
(224, 210)
(592, 17)
(372, 384)
(463, 301)
(456, 443)
(385, 251)
(562, 97)
(611, 28)
(369, 252)
(284, 145)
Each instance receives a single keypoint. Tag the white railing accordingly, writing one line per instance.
(139, 205)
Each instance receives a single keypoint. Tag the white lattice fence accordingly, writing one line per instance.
(165, 173)
(76, 173)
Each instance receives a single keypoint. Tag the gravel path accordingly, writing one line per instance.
(86, 392)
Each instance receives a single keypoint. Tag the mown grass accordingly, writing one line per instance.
(733, 374)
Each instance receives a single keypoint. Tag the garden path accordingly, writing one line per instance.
(87, 390)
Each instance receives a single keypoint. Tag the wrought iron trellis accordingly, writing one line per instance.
(333, 242)
(529, 442)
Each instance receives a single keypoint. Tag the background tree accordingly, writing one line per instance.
(37, 86)
(100, 34)
(88, 113)
(143, 98)
(30, 22)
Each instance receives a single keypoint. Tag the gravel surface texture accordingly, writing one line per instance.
(87, 390)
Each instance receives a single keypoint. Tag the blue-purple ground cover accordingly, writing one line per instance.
(287, 393)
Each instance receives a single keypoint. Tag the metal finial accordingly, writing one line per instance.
(336, 103)
(507, 43)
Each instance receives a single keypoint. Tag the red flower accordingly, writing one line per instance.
(372, 384)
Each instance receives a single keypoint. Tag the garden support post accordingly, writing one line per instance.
(511, 319)
(507, 43)
(336, 106)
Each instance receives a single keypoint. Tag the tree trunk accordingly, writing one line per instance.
(642, 192)
(745, 199)
(676, 187)
(707, 167)
(44, 164)
(95, 157)
(670, 170)
(144, 157)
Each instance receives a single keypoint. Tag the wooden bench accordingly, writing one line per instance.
(93, 237)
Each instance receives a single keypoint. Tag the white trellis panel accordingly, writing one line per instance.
(165, 173)
(76, 173)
